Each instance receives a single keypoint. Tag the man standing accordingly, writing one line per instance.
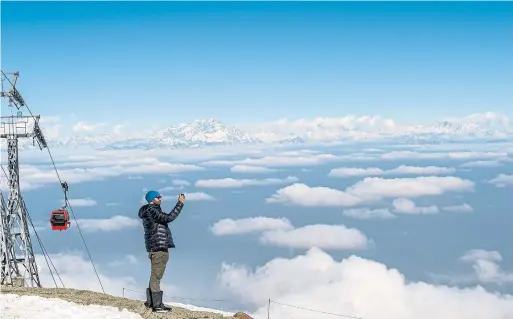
(158, 240)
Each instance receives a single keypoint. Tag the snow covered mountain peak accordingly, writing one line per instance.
(486, 121)
(207, 131)
(204, 132)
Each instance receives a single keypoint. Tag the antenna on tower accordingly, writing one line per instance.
(18, 264)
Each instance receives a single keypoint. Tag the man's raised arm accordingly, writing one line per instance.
(159, 216)
(176, 211)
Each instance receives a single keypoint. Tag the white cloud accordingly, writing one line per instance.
(198, 196)
(409, 187)
(87, 127)
(78, 273)
(125, 261)
(180, 182)
(36, 176)
(304, 195)
(280, 232)
(467, 155)
(366, 213)
(368, 127)
(492, 163)
(353, 171)
(502, 180)
(229, 226)
(251, 169)
(165, 189)
(82, 202)
(117, 129)
(486, 266)
(356, 287)
(332, 237)
(463, 208)
(419, 170)
(324, 128)
(117, 222)
(368, 190)
(326, 131)
(401, 170)
(284, 159)
(236, 183)
(406, 206)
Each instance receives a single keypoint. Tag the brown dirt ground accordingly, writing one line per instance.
(85, 297)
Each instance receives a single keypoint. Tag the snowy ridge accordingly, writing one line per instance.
(196, 134)
(56, 303)
(483, 127)
(32, 307)
(15, 306)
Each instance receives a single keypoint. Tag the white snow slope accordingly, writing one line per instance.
(34, 307)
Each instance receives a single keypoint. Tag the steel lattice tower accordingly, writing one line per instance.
(18, 264)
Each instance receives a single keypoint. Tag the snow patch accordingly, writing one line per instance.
(33, 307)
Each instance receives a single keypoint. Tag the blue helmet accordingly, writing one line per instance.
(151, 195)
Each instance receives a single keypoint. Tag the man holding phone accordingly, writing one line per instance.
(158, 239)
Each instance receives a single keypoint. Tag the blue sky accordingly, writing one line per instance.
(246, 62)
(162, 63)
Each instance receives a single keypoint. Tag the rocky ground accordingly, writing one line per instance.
(85, 297)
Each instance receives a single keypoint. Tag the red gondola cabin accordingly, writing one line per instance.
(60, 219)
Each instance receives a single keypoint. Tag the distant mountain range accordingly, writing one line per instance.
(200, 133)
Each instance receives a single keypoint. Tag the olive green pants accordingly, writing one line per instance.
(159, 261)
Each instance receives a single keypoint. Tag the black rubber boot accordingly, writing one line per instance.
(166, 308)
(158, 305)
(148, 303)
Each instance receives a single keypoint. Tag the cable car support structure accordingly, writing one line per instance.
(18, 264)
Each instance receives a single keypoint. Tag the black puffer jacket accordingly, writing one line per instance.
(157, 235)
